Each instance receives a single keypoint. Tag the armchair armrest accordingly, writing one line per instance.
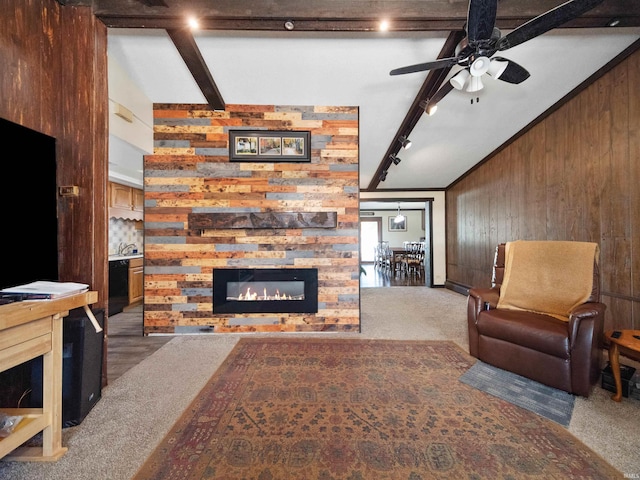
(478, 297)
(475, 304)
(586, 325)
(586, 316)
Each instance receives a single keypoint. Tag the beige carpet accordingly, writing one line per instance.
(139, 408)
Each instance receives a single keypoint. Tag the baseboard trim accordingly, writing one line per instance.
(457, 287)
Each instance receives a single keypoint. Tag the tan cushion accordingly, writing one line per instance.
(550, 277)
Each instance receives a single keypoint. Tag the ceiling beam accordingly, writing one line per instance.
(343, 25)
(338, 15)
(432, 87)
(186, 45)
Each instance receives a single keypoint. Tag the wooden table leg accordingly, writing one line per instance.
(614, 360)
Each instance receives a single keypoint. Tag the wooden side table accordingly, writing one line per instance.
(30, 329)
(624, 344)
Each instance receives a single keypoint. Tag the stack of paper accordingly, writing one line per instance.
(43, 290)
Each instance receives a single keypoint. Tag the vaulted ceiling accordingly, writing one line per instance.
(334, 54)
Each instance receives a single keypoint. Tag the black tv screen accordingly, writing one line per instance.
(29, 206)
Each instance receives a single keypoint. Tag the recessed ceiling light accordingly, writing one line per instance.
(289, 25)
(193, 23)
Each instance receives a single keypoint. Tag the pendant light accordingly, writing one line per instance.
(399, 217)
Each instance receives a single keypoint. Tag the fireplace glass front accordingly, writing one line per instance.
(265, 290)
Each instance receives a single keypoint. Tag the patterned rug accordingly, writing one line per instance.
(549, 402)
(306, 408)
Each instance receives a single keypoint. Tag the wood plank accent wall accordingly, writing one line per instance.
(190, 173)
(573, 176)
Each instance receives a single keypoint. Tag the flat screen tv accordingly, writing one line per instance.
(29, 206)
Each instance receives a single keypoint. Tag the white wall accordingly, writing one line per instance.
(414, 226)
(129, 141)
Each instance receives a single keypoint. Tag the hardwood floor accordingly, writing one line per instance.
(379, 277)
(127, 346)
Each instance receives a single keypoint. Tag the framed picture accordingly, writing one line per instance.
(269, 146)
(400, 226)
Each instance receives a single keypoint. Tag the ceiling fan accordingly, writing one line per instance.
(475, 53)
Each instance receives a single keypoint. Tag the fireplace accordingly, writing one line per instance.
(265, 290)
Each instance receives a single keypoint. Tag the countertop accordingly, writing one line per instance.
(113, 258)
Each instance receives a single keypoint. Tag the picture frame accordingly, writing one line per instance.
(269, 146)
(397, 226)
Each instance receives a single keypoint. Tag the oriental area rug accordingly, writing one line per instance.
(309, 408)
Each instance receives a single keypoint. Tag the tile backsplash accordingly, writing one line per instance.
(125, 231)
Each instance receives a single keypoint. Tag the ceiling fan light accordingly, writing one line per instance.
(479, 66)
(497, 68)
(475, 85)
(459, 79)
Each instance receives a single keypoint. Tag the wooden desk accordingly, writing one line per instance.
(626, 342)
(27, 330)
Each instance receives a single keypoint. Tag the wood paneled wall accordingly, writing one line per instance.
(573, 176)
(190, 172)
(53, 79)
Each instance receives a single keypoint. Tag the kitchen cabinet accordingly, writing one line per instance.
(136, 280)
(125, 202)
(138, 200)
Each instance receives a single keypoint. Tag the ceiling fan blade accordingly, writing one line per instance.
(546, 21)
(514, 73)
(481, 18)
(421, 67)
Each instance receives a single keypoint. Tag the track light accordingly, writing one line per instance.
(289, 25)
(405, 142)
(395, 159)
(383, 176)
(429, 108)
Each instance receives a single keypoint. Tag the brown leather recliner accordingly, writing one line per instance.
(560, 354)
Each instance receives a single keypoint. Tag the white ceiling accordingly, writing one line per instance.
(352, 69)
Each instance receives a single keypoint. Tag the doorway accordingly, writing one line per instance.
(370, 237)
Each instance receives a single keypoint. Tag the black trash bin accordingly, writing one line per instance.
(81, 367)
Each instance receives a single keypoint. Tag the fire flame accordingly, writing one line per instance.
(249, 295)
